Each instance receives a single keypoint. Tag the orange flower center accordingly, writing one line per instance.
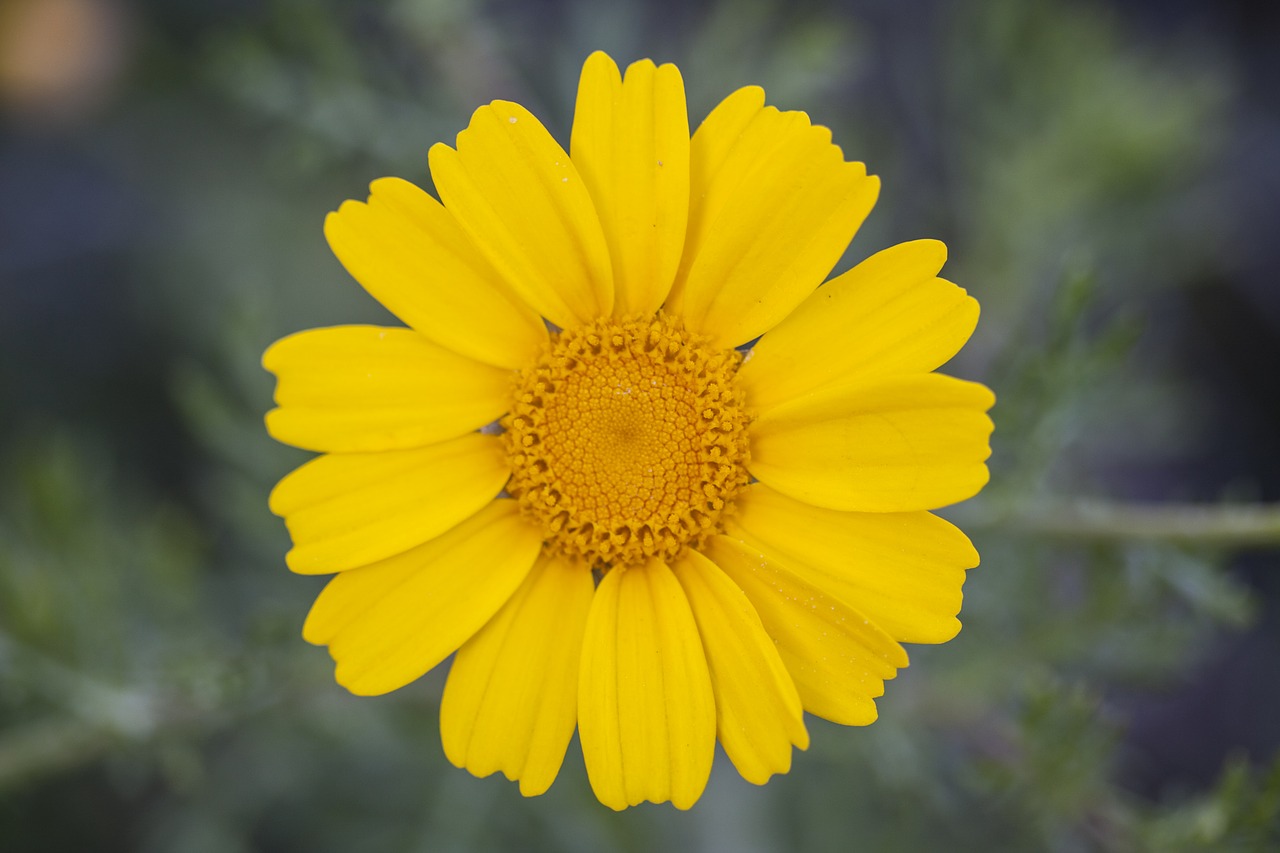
(627, 440)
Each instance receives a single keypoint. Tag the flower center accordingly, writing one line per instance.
(627, 439)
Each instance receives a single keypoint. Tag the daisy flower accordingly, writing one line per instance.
(570, 472)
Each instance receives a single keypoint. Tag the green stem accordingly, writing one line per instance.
(1186, 524)
(47, 746)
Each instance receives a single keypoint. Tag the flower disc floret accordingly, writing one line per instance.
(627, 439)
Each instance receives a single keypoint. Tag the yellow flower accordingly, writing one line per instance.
(668, 542)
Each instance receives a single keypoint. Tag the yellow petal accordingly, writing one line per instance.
(352, 509)
(895, 444)
(511, 702)
(838, 659)
(758, 711)
(630, 143)
(903, 571)
(646, 716)
(513, 189)
(888, 315)
(360, 388)
(773, 206)
(408, 252)
(389, 623)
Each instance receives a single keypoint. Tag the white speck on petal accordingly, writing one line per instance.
(512, 119)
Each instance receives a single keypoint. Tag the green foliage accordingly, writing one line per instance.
(1241, 814)
(150, 659)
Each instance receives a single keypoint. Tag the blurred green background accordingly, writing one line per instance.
(1107, 176)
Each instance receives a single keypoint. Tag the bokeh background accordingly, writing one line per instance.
(1107, 176)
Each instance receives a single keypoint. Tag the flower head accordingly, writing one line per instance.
(667, 541)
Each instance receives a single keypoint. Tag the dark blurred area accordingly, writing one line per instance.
(164, 170)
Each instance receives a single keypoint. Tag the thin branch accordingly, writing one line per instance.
(1186, 524)
(48, 746)
(97, 717)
